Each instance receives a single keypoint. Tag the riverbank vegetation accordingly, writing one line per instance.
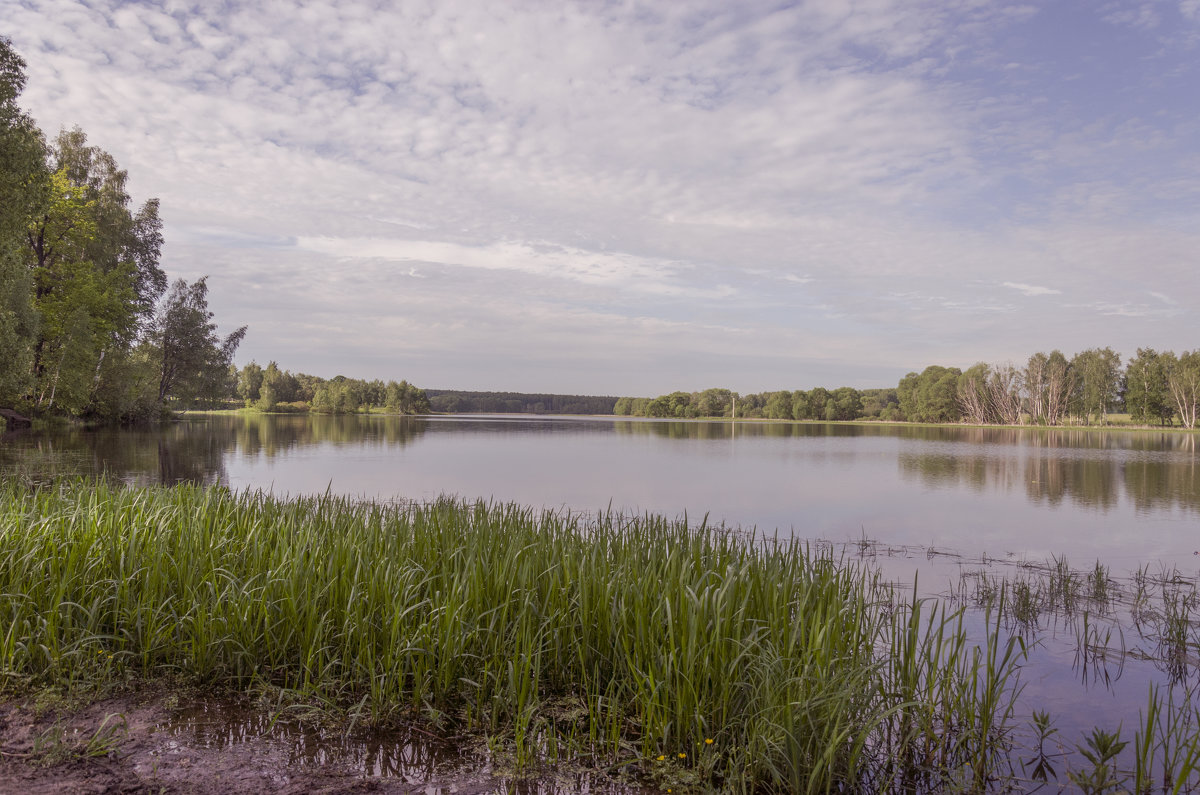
(455, 401)
(272, 389)
(90, 326)
(679, 654)
(1156, 388)
(684, 657)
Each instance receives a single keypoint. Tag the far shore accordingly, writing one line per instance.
(1119, 425)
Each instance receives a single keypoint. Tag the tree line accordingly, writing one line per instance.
(820, 404)
(452, 401)
(272, 389)
(1154, 388)
(90, 326)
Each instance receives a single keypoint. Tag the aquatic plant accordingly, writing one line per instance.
(752, 663)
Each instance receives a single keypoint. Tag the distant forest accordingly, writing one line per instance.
(452, 401)
(1154, 388)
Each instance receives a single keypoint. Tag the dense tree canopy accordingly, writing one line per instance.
(459, 402)
(24, 191)
(1147, 396)
(80, 281)
(192, 361)
(1155, 388)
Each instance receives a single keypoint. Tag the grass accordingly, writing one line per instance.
(1158, 608)
(682, 654)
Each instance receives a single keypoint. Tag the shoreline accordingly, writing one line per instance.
(428, 619)
(1122, 427)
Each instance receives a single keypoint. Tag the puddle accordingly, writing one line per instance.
(407, 755)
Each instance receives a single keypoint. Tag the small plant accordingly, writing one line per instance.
(107, 736)
(1102, 749)
(1101, 588)
(1025, 605)
(57, 745)
(1042, 767)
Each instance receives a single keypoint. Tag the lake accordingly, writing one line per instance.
(959, 505)
(1122, 497)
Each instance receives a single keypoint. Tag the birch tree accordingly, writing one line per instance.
(1183, 381)
(1098, 384)
(973, 398)
(1005, 392)
(1147, 396)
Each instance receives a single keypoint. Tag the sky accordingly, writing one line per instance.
(631, 198)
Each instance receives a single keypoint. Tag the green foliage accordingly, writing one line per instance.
(931, 396)
(95, 272)
(193, 362)
(23, 191)
(1183, 383)
(1098, 383)
(779, 406)
(713, 403)
(18, 328)
(79, 272)
(844, 404)
(250, 379)
(677, 405)
(803, 670)
(1101, 749)
(404, 398)
(881, 404)
(1147, 396)
(453, 401)
(1049, 384)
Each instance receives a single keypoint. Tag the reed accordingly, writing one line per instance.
(744, 663)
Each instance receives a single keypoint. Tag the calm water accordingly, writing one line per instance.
(936, 500)
(1123, 498)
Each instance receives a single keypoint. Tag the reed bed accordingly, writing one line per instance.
(1150, 619)
(671, 652)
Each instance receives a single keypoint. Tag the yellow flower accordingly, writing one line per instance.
(708, 741)
(661, 757)
(682, 755)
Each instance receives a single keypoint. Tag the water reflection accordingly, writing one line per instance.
(409, 754)
(1125, 496)
(1157, 471)
(192, 450)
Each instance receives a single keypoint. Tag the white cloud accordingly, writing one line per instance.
(490, 181)
(1031, 289)
(538, 259)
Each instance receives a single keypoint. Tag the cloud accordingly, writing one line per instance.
(539, 259)
(1031, 289)
(829, 180)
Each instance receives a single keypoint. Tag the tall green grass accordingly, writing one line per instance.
(748, 664)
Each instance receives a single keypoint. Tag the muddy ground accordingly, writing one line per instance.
(158, 740)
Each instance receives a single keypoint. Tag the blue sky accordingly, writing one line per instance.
(632, 198)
